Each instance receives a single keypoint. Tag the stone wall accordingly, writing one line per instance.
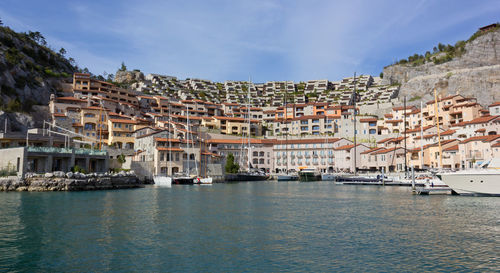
(59, 181)
(475, 74)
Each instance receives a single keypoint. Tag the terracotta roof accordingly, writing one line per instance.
(235, 119)
(368, 120)
(384, 140)
(388, 115)
(371, 150)
(173, 149)
(481, 130)
(59, 115)
(495, 104)
(451, 148)
(241, 141)
(394, 121)
(123, 121)
(384, 151)
(480, 138)
(162, 139)
(496, 144)
(479, 120)
(403, 108)
(347, 147)
(417, 129)
(71, 99)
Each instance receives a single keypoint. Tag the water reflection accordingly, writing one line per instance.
(263, 226)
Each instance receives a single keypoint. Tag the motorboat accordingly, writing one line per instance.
(328, 177)
(483, 181)
(163, 181)
(203, 180)
(287, 177)
(308, 175)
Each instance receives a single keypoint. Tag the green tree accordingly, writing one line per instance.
(121, 159)
(62, 51)
(123, 67)
(231, 166)
(381, 75)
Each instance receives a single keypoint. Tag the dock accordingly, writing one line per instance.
(379, 183)
(433, 190)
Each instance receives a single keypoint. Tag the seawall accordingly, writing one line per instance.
(60, 181)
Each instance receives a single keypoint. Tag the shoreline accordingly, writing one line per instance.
(60, 181)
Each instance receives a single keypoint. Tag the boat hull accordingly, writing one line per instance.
(328, 177)
(183, 180)
(203, 180)
(473, 183)
(287, 177)
(163, 181)
(241, 177)
(309, 177)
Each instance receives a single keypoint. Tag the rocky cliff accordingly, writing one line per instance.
(29, 73)
(475, 73)
(128, 76)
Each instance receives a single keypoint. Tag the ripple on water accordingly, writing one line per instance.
(248, 227)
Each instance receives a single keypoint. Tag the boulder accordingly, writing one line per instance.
(49, 175)
(69, 175)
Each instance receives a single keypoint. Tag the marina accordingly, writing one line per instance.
(241, 227)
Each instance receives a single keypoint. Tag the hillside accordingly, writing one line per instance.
(29, 73)
(475, 72)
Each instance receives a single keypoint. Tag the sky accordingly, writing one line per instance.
(260, 40)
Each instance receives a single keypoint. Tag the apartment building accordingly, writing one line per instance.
(259, 152)
(314, 153)
(85, 85)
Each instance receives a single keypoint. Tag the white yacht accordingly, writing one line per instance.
(163, 181)
(484, 181)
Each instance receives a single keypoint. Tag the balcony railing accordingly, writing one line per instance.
(49, 150)
(65, 150)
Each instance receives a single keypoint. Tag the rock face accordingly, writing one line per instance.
(62, 182)
(128, 76)
(474, 74)
(29, 73)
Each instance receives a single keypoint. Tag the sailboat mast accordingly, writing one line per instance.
(187, 136)
(404, 124)
(421, 135)
(249, 129)
(354, 116)
(286, 135)
(436, 109)
(169, 141)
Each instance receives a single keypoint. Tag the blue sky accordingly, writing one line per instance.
(234, 40)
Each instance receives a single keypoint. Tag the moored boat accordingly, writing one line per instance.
(309, 175)
(484, 181)
(162, 181)
(287, 177)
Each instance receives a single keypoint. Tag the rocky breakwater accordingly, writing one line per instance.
(60, 181)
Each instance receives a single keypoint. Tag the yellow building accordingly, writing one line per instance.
(121, 132)
(233, 126)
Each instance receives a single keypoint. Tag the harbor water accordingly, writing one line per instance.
(250, 227)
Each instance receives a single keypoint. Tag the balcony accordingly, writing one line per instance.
(475, 155)
(307, 156)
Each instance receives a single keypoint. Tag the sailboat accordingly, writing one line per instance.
(163, 180)
(203, 179)
(186, 178)
(286, 176)
(327, 176)
(250, 174)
